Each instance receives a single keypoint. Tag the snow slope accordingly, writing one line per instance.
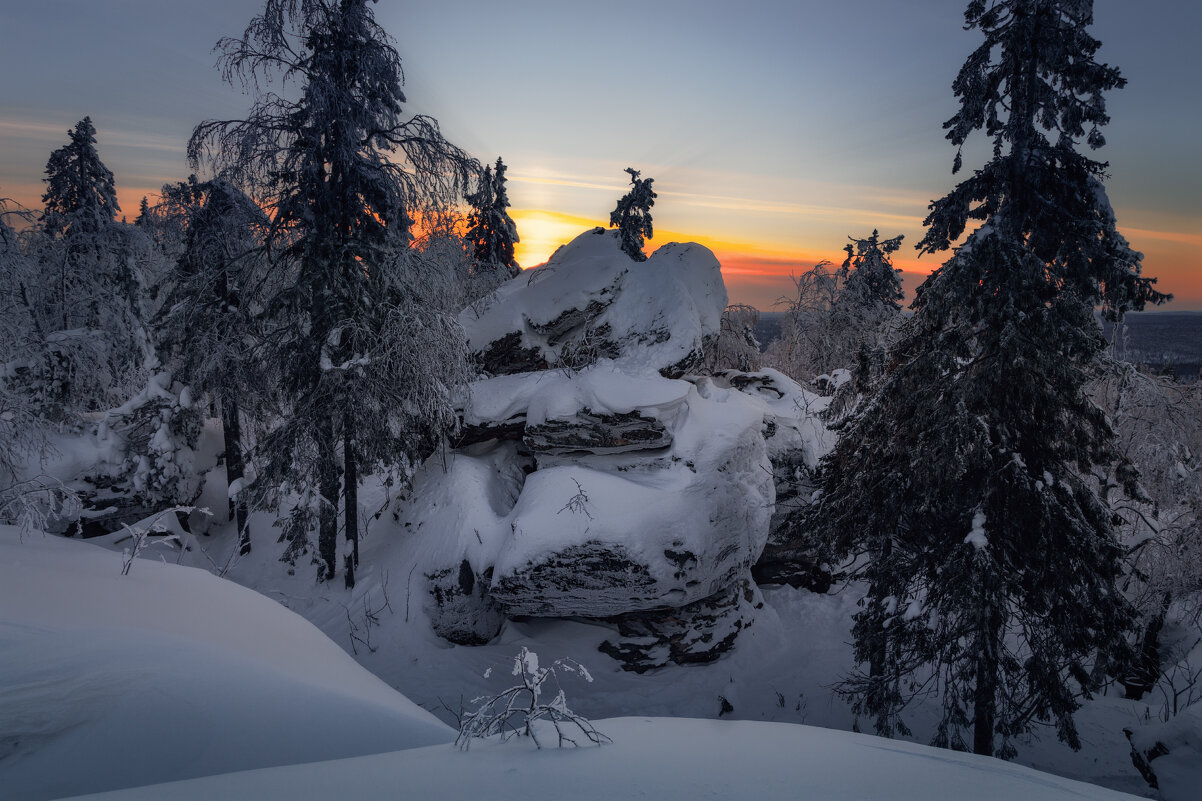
(669, 759)
(110, 681)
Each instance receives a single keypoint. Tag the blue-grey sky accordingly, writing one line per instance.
(773, 129)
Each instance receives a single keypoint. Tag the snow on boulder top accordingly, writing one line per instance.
(591, 300)
(602, 388)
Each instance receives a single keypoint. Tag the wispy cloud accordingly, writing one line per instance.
(114, 137)
(1179, 237)
(31, 128)
(819, 209)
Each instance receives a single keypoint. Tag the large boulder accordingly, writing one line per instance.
(624, 494)
(592, 301)
(599, 534)
(593, 475)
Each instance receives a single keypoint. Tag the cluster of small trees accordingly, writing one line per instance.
(288, 291)
(845, 317)
(306, 294)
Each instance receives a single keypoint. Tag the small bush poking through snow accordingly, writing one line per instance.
(516, 710)
(140, 535)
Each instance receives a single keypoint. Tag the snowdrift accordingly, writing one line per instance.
(661, 758)
(110, 681)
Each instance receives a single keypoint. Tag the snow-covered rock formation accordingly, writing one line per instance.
(594, 476)
(590, 300)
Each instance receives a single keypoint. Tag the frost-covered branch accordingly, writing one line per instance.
(516, 710)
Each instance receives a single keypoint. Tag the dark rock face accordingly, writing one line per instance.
(697, 633)
(797, 566)
(109, 505)
(512, 429)
(756, 383)
(598, 434)
(462, 610)
(507, 355)
(789, 557)
(578, 580)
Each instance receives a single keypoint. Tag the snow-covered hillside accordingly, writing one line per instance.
(110, 681)
(667, 759)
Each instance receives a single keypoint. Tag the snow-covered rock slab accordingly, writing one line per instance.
(592, 538)
(591, 301)
(597, 529)
(695, 634)
(110, 681)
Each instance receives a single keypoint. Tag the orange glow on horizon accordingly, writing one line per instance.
(761, 274)
(541, 232)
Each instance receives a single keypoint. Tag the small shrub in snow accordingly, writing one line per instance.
(514, 711)
(140, 536)
(40, 504)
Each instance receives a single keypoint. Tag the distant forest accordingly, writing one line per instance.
(1167, 342)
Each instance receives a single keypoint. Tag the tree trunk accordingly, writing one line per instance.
(1142, 676)
(350, 499)
(327, 532)
(235, 469)
(984, 702)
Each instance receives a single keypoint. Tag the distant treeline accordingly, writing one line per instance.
(1166, 341)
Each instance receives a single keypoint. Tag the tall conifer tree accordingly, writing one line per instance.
(80, 193)
(208, 327)
(345, 173)
(974, 481)
(88, 303)
(491, 230)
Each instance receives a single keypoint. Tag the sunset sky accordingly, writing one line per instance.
(773, 129)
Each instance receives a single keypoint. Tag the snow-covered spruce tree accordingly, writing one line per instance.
(968, 480)
(344, 172)
(87, 301)
(869, 304)
(208, 327)
(491, 230)
(632, 216)
(80, 194)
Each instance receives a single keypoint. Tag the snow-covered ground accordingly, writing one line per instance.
(111, 681)
(667, 759)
